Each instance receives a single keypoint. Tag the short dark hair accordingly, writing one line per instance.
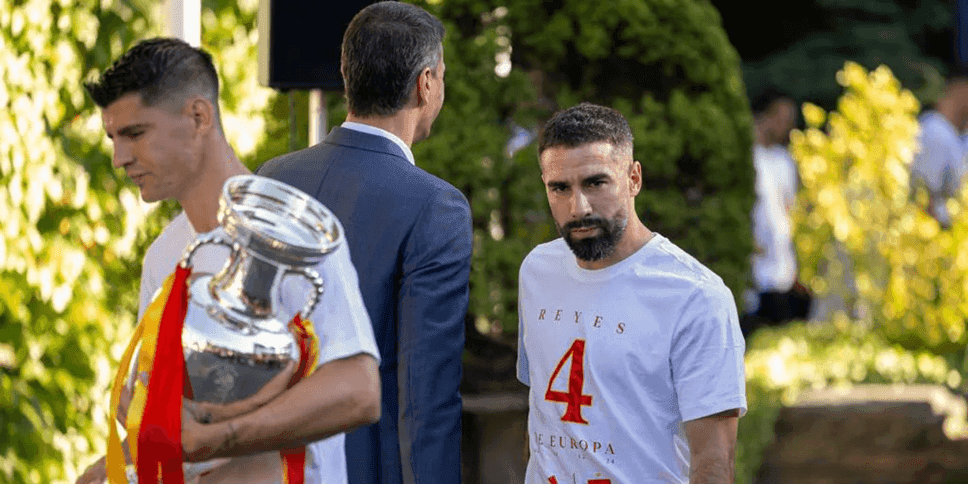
(583, 124)
(159, 70)
(762, 102)
(385, 48)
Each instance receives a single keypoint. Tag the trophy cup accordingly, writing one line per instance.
(234, 338)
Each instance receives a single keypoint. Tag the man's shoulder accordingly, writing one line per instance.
(173, 238)
(673, 266)
(935, 126)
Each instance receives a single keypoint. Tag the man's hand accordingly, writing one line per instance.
(196, 439)
(207, 413)
(96, 474)
(712, 448)
(339, 396)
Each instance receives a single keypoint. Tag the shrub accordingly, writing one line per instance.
(74, 230)
(861, 235)
(782, 362)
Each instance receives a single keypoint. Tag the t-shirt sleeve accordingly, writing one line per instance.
(522, 365)
(937, 161)
(340, 318)
(707, 355)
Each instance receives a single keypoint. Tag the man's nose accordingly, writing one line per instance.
(580, 207)
(122, 155)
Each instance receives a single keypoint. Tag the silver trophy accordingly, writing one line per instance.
(234, 339)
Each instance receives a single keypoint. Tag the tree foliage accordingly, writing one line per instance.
(795, 46)
(783, 362)
(71, 234)
(862, 235)
(74, 229)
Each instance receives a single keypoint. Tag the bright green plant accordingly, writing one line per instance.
(71, 236)
(781, 363)
(74, 230)
(861, 234)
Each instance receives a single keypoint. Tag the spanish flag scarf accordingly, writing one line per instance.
(154, 414)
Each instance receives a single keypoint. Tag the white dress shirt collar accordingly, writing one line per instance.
(366, 128)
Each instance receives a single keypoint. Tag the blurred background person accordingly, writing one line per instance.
(939, 165)
(777, 296)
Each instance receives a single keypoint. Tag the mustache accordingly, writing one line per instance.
(587, 222)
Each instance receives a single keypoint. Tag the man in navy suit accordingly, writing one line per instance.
(410, 239)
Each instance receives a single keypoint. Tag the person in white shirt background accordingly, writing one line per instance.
(939, 165)
(777, 295)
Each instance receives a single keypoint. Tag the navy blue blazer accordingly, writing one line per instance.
(410, 239)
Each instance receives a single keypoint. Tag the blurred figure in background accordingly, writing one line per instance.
(777, 296)
(939, 166)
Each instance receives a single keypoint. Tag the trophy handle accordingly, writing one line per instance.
(317, 282)
(208, 239)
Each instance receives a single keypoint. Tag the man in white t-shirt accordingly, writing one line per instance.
(159, 105)
(939, 165)
(632, 348)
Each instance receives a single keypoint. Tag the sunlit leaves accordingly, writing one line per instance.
(862, 233)
(66, 285)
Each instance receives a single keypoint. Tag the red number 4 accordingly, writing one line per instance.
(552, 480)
(576, 380)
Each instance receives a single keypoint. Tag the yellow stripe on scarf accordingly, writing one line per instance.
(147, 334)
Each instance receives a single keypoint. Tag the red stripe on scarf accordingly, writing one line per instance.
(159, 441)
(294, 460)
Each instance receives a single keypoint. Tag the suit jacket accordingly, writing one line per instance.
(410, 239)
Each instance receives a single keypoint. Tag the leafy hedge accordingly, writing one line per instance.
(785, 361)
(861, 235)
(74, 229)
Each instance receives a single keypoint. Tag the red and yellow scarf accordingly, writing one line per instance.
(153, 423)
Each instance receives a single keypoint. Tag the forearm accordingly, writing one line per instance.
(711, 470)
(712, 448)
(340, 396)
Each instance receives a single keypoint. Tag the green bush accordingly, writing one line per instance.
(783, 362)
(74, 229)
(860, 233)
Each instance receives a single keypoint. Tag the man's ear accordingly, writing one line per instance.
(635, 178)
(202, 113)
(423, 86)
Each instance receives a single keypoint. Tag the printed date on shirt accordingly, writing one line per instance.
(574, 398)
(552, 480)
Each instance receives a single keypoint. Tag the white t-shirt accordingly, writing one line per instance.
(940, 163)
(618, 358)
(774, 265)
(340, 318)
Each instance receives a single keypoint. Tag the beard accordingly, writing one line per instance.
(597, 247)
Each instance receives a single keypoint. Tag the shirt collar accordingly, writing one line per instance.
(366, 128)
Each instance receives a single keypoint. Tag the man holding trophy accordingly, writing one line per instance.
(159, 105)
